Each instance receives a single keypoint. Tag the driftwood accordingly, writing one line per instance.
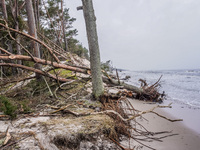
(8, 137)
(124, 85)
(123, 113)
(4, 147)
(144, 92)
(65, 110)
(61, 109)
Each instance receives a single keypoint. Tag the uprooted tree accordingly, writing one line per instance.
(145, 92)
(55, 48)
(52, 54)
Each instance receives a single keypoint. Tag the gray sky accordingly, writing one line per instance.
(145, 34)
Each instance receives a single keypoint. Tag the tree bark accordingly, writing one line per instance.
(18, 39)
(4, 9)
(63, 28)
(5, 15)
(56, 65)
(90, 21)
(124, 85)
(36, 14)
(42, 61)
(32, 30)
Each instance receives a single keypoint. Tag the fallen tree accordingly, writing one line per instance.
(32, 38)
(43, 62)
(35, 70)
(144, 92)
(124, 85)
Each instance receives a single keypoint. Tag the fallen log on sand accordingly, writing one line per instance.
(123, 84)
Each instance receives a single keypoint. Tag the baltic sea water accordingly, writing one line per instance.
(180, 86)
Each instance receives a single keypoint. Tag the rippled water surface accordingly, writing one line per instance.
(182, 86)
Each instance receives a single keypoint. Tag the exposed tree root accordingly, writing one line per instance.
(121, 109)
(116, 106)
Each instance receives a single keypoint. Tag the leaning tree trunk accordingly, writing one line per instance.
(90, 21)
(32, 30)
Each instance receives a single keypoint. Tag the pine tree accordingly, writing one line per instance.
(32, 31)
(95, 64)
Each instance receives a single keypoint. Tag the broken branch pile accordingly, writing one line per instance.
(124, 115)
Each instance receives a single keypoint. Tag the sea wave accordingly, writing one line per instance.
(180, 85)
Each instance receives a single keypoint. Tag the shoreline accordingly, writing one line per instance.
(185, 139)
(189, 114)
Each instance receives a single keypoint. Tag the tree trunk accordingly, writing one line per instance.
(18, 39)
(42, 61)
(37, 20)
(5, 15)
(4, 9)
(15, 11)
(56, 32)
(32, 30)
(124, 85)
(32, 27)
(36, 13)
(135, 89)
(63, 28)
(90, 21)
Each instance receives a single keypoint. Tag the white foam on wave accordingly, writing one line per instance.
(180, 85)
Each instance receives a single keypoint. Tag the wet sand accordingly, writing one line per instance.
(187, 139)
(189, 114)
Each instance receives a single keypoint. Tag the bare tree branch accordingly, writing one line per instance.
(5, 51)
(32, 38)
(36, 71)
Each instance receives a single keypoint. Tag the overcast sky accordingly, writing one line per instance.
(145, 34)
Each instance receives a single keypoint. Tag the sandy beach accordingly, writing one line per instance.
(186, 138)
